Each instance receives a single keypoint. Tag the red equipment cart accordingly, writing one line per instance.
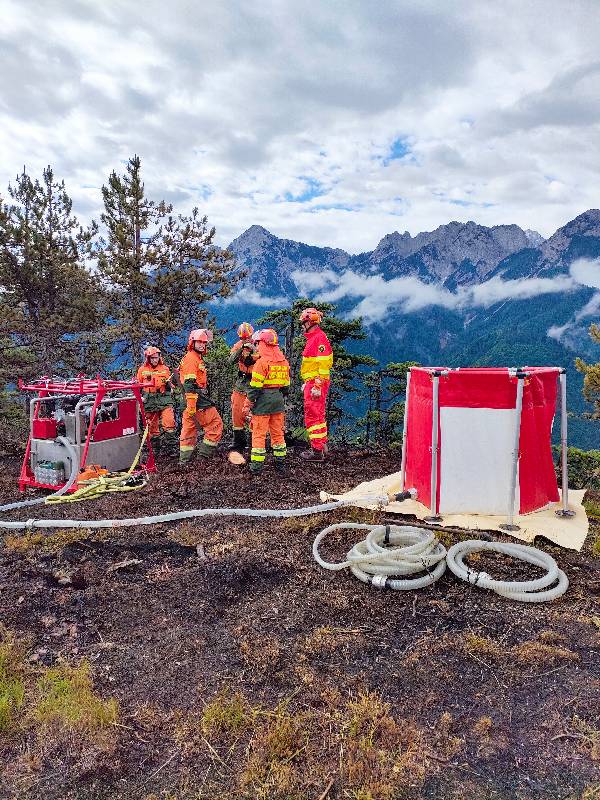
(100, 418)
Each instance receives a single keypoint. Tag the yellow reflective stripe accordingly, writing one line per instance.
(314, 361)
(186, 447)
(318, 425)
(318, 435)
(257, 380)
(208, 441)
(189, 375)
(275, 382)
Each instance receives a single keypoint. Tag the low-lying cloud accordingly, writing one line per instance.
(254, 298)
(379, 297)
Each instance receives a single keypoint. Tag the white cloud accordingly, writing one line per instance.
(254, 298)
(558, 331)
(498, 106)
(378, 296)
(308, 282)
(586, 272)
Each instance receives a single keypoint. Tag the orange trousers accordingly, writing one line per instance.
(211, 423)
(155, 419)
(238, 413)
(274, 425)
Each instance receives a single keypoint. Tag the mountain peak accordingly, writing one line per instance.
(586, 224)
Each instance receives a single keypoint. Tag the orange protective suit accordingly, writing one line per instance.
(158, 403)
(269, 385)
(199, 410)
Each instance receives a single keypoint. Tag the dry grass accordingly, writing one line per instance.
(53, 543)
(293, 751)
(50, 715)
(483, 646)
(589, 737)
(327, 639)
(12, 680)
(536, 653)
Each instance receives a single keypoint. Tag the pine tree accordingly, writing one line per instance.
(346, 375)
(591, 380)
(128, 256)
(51, 309)
(161, 268)
(191, 273)
(386, 402)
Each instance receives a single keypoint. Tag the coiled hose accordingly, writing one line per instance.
(525, 591)
(388, 551)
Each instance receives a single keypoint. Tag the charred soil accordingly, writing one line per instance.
(241, 669)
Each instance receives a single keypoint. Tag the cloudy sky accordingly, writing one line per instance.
(332, 123)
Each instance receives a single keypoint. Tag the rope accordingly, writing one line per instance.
(105, 484)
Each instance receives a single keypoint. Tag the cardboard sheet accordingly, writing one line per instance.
(569, 532)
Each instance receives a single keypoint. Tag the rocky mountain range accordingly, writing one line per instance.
(463, 294)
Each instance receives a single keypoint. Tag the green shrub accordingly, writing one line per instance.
(584, 468)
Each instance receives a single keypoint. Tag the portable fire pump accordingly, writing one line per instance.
(103, 420)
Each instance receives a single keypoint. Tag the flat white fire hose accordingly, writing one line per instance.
(525, 591)
(389, 551)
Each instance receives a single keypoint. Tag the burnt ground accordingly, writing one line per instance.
(488, 698)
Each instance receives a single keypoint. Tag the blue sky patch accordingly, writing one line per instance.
(313, 188)
(398, 150)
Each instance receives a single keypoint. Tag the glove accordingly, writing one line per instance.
(190, 405)
(315, 391)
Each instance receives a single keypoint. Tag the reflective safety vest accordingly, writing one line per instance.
(267, 374)
(317, 356)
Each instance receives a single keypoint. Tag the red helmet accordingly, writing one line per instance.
(245, 331)
(200, 335)
(267, 335)
(311, 315)
(151, 351)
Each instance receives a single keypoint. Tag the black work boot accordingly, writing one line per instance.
(280, 465)
(313, 455)
(240, 441)
(169, 442)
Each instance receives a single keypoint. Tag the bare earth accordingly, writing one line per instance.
(242, 669)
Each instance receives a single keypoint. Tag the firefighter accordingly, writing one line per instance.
(317, 361)
(269, 385)
(157, 394)
(199, 410)
(243, 351)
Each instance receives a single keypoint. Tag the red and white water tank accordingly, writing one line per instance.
(478, 440)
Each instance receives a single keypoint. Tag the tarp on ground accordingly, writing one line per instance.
(568, 532)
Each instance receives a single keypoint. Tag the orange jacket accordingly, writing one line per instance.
(317, 356)
(272, 370)
(270, 380)
(154, 379)
(192, 373)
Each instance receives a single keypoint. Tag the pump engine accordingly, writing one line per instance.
(103, 420)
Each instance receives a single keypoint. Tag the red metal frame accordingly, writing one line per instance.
(79, 386)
